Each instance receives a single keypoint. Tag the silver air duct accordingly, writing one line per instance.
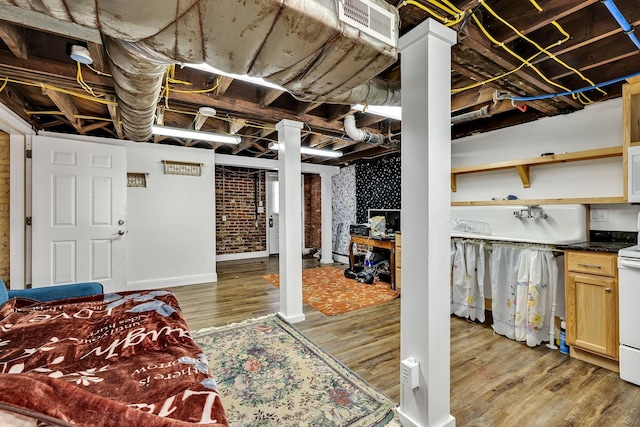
(319, 50)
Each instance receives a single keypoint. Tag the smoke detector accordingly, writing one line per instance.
(81, 54)
(207, 111)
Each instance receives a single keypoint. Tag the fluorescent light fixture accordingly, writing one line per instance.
(310, 151)
(192, 134)
(381, 110)
(255, 80)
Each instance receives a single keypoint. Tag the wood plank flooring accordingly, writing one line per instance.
(494, 381)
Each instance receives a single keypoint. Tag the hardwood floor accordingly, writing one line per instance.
(494, 381)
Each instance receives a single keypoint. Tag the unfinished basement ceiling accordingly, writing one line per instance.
(509, 48)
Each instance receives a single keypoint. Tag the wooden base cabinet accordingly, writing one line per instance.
(592, 306)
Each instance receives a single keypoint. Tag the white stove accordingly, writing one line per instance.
(630, 252)
(629, 315)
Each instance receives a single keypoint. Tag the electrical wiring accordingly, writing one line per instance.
(61, 90)
(584, 89)
(515, 55)
(83, 84)
(98, 72)
(6, 80)
(458, 16)
(524, 37)
(566, 35)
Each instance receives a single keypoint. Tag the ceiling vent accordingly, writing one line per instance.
(370, 18)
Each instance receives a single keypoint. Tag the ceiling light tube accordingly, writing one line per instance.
(311, 151)
(381, 110)
(192, 134)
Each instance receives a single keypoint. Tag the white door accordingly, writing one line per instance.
(78, 213)
(273, 219)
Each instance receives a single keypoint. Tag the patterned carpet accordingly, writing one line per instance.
(269, 374)
(328, 291)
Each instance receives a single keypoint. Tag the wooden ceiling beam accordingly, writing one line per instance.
(538, 105)
(338, 112)
(65, 103)
(223, 84)
(527, 19)
(52, 72)
(99, 57)
(476, 41)
(16, 102)
(268, 96)
(12, 37)
(471, 98)
(305, 107)
(94, 126)
(586, 37)
(114, 113)
(241, 107)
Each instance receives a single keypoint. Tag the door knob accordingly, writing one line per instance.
(121, 232)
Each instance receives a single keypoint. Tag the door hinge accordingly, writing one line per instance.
(28, 221)
(29, 154)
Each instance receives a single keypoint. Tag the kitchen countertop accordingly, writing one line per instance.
(604, 241)
(611, 247)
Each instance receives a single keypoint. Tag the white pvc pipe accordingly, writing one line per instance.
(360, 134)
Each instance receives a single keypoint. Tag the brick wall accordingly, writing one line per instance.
(312, 212)
(4, 207)
(235, 199)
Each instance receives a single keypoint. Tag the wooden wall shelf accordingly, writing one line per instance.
(522, 166)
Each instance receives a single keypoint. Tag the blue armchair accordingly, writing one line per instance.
(51, 293)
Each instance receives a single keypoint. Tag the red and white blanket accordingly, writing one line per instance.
(124, 359)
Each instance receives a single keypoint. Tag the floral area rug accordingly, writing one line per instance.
(328, 291)
(269, 374)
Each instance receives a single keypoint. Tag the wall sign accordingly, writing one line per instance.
(182, 168)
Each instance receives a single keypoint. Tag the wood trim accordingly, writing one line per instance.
(522, 165)
(563, 201)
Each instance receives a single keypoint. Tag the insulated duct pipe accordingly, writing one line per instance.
(314, 49)
(361, 135)
(137, 76)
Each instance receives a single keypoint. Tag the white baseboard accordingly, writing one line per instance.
(341, 258)
(168, 282)
(406, 421)
(243, 255)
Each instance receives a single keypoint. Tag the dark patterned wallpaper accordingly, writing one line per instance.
(377, 185)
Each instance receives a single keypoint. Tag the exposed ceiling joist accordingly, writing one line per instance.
(12, 37)
(65, 103)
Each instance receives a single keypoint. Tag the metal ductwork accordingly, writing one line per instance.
(320, 50)
(137, 76)
(361, 135)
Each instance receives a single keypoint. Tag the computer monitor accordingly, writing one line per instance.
(391, 217)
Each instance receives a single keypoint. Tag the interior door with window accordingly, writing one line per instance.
(273, 219)
(78, 213)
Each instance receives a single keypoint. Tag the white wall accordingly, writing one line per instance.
(595, 126)
(171, 223)
(171, 236)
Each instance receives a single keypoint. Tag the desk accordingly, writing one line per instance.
(390, 245)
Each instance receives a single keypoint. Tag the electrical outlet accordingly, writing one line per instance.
(410, 372)
(599, 215)
(224, 218)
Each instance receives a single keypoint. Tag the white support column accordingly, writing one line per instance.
(290, 181)
(426, 199)
(326, 193)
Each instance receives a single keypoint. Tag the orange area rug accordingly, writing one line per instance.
(328, 291)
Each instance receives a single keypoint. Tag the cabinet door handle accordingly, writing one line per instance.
(607, 289)
(582, 264)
